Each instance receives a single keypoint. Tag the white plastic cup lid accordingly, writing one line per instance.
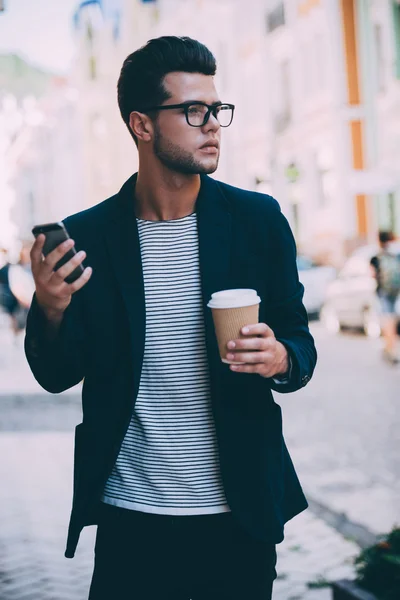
(234, 298)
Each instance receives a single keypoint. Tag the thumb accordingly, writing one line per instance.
(36, 251)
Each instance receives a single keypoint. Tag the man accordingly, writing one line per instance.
(386, 269)
(16, 288)
(180, 458)
(8, 301)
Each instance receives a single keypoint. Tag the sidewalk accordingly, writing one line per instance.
(37, 441)
(15, 375)
(35, 501)
(343, 431)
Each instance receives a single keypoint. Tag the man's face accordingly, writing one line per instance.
(177, 145)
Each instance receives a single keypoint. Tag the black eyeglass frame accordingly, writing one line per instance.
(212, 108)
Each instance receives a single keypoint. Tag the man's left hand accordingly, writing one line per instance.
(260, 351)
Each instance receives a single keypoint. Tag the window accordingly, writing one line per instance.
(285, 86)
(276, 17)
(396, 23)
(92, 68)
(380, 65)
(89, 34)
(324, 177)
(305, 73)
(392, 211)
(31, 206)
(283, 114)
(321, 188)
(116, 26)
(309, 67)
(320, 62)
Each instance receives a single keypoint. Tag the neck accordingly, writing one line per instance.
(164, 195)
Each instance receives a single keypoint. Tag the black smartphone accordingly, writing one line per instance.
(56, 234)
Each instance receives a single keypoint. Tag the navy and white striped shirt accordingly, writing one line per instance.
(168, 462)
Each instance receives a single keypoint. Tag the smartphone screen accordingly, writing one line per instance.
(56, 234)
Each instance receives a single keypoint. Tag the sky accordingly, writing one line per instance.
(40, 31)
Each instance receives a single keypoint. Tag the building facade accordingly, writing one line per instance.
(103, 42)
(44, 162)
(108, 152)
(316, 89)
(309, 136)
(379, 27)
(335, 119)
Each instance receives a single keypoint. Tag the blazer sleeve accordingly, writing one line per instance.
(58, 364)
(287, 315)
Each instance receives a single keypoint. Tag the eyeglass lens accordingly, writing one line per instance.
(197, 113)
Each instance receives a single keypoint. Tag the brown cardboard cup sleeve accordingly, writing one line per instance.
(229, 320)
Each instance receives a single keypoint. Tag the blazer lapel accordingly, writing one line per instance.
(215, 239)
(124, 248)
(214, 229)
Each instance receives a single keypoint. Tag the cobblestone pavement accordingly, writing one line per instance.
(35, 502)
(342, 431)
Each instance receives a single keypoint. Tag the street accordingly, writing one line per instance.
(342, 431)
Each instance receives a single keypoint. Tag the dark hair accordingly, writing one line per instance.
(140, 84)
(386, 236)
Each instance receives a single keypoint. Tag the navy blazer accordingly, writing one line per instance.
(244, 242)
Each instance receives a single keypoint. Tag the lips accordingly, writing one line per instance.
(210, 144)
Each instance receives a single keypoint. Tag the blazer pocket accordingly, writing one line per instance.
(79, 453)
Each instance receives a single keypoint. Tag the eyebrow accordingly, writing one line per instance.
(200, 101)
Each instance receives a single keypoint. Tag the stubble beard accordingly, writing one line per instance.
(179, 160)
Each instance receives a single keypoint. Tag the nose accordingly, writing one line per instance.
(212, 124)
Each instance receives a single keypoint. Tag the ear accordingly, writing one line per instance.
(141, 125)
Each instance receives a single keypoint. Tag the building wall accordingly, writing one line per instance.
(334, 120)
(309, 138)
(382, 83)
(44, 166)
(10, 124)
(177, 17)
(109, 154)
(310, 126)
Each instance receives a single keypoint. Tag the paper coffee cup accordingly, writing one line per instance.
(232, 310)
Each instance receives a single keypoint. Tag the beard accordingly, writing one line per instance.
(177, 159)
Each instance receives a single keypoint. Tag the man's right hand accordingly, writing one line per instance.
(53, 294)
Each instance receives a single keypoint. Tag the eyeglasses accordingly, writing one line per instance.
(198, 113)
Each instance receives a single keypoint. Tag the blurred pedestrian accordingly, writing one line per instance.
(8, 302)
(22, 287)
(180, 459)
(386, 268)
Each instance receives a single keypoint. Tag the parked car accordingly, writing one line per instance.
(315, 279)
(351, 300)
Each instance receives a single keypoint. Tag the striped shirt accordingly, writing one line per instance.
(168, 462)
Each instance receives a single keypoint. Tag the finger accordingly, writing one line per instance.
(69, 266)
(250, 357)
(257, 329)
(81, 281)
(55, 255)
(246, 368)
(36, 252)
(250, 343)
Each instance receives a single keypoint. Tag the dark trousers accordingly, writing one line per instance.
(141, 556)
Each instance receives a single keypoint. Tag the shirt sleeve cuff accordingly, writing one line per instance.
(285, 377)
